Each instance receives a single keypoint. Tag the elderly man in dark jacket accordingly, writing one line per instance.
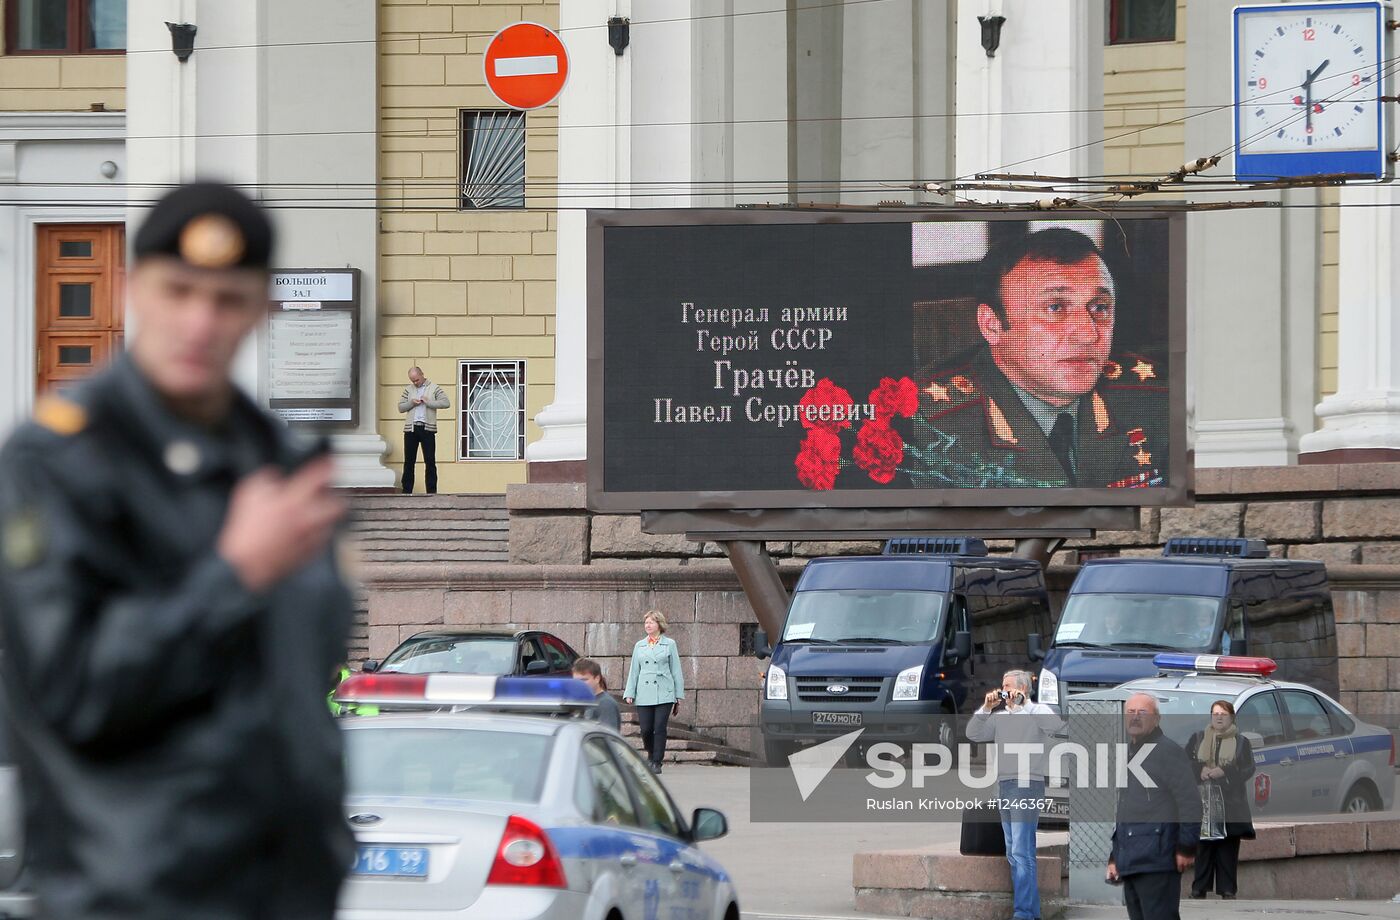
(1157, 828)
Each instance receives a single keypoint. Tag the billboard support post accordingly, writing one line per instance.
(1041, 549)
(763, 586)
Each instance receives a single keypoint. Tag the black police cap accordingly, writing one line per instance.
(207, 225)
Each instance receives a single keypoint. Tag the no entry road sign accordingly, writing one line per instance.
(526, 65)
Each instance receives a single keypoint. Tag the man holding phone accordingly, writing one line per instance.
(1022, 733)
(171, 605)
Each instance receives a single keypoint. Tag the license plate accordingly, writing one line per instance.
(1057, 808)
(400, 862)
(835, 718)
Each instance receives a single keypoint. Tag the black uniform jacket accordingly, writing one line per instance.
(1154, 825)
(177, 754)
(973, 431)
(1233, 785)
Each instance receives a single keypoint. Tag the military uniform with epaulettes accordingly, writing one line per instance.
(974, 430)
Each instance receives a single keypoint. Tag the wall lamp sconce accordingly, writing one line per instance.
(619, 34)
(991, 33)
(182, 39)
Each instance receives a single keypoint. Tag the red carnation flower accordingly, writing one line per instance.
(829, 400)
(895, 397)
(819, 460)
(879, 450)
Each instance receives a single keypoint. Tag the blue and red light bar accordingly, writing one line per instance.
(1216, 664)
(438, 691)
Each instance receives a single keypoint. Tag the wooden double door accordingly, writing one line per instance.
(80, 297)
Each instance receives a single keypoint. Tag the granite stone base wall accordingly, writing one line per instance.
(598, 610)
(590, 577)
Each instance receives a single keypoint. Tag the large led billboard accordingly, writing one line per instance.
(862, 359)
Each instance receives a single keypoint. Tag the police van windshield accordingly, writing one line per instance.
(1139, 621)
(885, 617)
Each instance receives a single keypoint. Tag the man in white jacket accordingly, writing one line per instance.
(1022, 733)
(420, 401)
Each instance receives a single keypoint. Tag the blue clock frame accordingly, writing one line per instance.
(1265, 166)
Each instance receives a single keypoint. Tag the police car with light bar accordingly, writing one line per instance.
(1310, 754)
(466, 803)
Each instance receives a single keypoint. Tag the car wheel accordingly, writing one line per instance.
(1360, 799)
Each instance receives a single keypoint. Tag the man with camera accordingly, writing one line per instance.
(1022, 733)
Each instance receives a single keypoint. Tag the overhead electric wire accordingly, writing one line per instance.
(429, 35)
(1387, 62)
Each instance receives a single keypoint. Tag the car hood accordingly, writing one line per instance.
(1106, 666)
(849, 660)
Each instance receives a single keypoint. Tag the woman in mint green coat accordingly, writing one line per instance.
(655, 685)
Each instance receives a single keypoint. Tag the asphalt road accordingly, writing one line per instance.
(789, 870)
(802, 871)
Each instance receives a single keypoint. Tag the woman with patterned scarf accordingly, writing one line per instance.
(1221, 756)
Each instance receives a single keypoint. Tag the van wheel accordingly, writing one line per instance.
(1360, 798)
(947, 734)
(776, 753)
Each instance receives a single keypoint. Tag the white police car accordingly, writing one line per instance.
(466, 803)
(1310, 755)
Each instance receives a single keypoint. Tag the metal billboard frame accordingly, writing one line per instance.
(1079, 504)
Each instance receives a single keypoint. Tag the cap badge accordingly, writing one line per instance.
(211, 241)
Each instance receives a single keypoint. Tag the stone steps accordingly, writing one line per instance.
(430, 528)
(485, 520)
(684, 744)
(417, 503)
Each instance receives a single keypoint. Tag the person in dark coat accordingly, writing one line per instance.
(1157, 827)
(171, 607)
(1222, 756)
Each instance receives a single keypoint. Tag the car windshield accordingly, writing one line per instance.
(879, 616)
(1145, 621)
(482, 765)
(454, 655)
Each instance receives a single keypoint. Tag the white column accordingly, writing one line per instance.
(588, 154)
(1050, 61)
(288, 123)
(1251, 286)
(1364, 414)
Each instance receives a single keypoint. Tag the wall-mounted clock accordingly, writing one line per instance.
(1308, 77)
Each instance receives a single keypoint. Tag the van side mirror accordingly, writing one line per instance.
(370, 666)
(1255, 739)
(537, 667)
(761, 648)
(962, 648)
(1035, 648)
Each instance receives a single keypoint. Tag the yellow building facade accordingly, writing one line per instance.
(1144, 91)
(60, 82)
(459, 287)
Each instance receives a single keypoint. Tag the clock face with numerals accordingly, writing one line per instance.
(1307, 78)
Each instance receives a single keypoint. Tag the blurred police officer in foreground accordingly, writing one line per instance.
(171, 607)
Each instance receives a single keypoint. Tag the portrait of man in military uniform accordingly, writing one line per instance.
(1042, 400)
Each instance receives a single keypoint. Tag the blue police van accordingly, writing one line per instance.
(895, 644)
(1202, 595)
